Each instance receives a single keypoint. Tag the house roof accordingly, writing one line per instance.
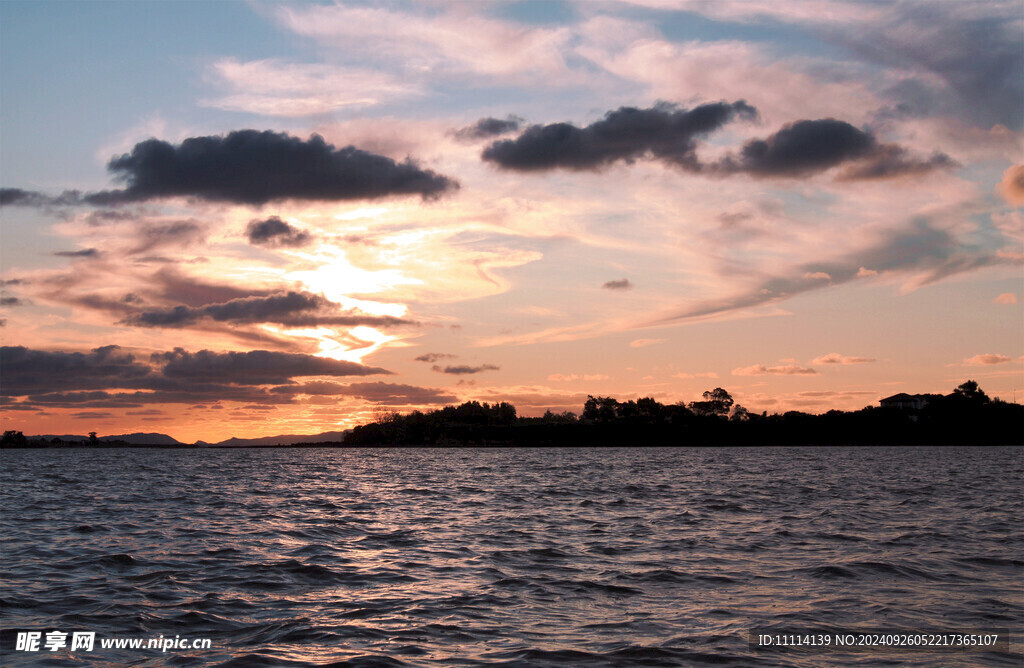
(902, 396)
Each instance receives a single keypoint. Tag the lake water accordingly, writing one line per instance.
(526, 557)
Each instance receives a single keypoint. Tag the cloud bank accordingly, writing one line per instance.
(669, 134)
(664, 132)
(250, 167)
(28, 371)
(293, 309)
(813, 146)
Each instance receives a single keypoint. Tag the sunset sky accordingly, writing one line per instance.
(253, 218)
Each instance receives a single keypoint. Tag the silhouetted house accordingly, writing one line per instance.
(908, 402)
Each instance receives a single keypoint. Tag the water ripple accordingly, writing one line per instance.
(505, 557)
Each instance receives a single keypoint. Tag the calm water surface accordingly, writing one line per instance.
(427, 557)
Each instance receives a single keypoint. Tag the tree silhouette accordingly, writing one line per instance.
(716, 402)
(971, 392)
(12, 437)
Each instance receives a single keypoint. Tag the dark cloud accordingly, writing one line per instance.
(293, 309)
(620, 284)
(670, 134)
(809, 147)
(275, 232)
(93, 399)
(10, 301)
(805, 147)
(103, 217)
(20, 407)
(86, 252)
(182, 393)
(57, 378)
(664, 132)
(256, 367)
(12, 281)
(889, 161)
(489, 127)
(19, 197)
(27, 371)
(434, 357)
(972, 51)
(252, 167)
(921, 248)
(464, 369)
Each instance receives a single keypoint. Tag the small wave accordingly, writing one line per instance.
(841, 537)
(288, 573)
(993, 561)
(829, 572)
(669, 576)
(92, 528)
(589, 586)
(547, 553)
(400, 538)
(868, 570)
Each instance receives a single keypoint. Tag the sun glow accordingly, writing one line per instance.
(337, 278)
(345, 345)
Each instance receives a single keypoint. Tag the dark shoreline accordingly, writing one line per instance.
(483, 446)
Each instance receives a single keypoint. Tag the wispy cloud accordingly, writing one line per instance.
(85, 252)
(836, 358)
(465, 369)
(390, 394)
(619, 284)
(781, 370)
(987, 359)
(928, 252)
(485, 128)
(566, 378)
(292, 309)
(642, 343)
(436, 44)
(274, 87)
(433, 357)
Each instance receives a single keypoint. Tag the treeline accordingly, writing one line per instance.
(966, 417)
(17, 439)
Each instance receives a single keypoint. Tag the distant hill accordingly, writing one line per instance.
(143, 439)
(134, 439)
(283, 439)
